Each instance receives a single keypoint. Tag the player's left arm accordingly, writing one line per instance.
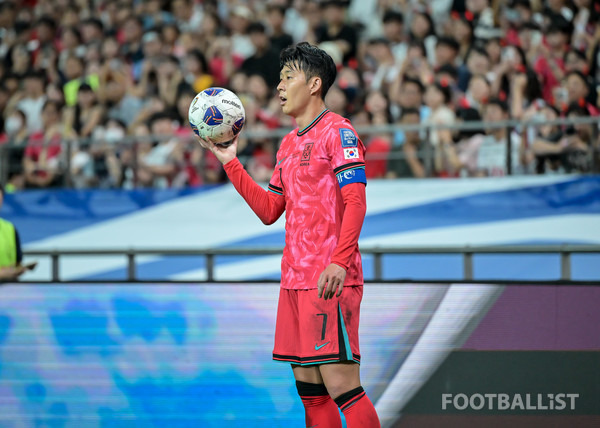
(349, 167)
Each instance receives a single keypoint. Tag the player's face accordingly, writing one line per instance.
(294, 90)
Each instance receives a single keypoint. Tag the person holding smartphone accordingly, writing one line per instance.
(10, 248)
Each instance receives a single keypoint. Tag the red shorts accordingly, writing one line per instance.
(310, 330)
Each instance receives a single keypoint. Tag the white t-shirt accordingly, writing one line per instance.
(491, 156)
(33, 112)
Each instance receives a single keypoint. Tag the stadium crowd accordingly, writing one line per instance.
(95, 93)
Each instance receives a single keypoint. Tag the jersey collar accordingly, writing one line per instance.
(313, 123)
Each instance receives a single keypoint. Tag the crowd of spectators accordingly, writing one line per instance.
(95, 93)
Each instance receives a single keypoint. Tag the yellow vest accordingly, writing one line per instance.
(8, 245)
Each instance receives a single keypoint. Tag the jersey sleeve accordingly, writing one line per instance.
(355, 208)
(267, 205)
(347, 156)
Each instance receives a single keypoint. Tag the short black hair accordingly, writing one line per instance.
(47, 21)
(414, 82)
(256, 27)
(468, 114)
(273, 7)
(579, 54)
(393, 16)
(559, 24)
(498, 102)
(95, 22)
(448, 41)
(579, 74)
(448, 69)
(409, 110)
(312, 61)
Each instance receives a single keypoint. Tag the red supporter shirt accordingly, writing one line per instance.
(310, 181)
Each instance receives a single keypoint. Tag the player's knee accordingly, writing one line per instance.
(307, 389)
(337, 389)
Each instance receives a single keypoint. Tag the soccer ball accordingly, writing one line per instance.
(217, 114)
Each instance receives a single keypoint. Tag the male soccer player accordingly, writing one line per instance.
(319, 181)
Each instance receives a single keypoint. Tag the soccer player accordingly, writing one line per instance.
(319, 181)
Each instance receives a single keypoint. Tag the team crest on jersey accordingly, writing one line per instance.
(305, 158)
(351, 153)
(348, 137)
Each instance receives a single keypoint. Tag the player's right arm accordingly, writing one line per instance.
(267, 205)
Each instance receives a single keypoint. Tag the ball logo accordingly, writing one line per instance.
(231, 103)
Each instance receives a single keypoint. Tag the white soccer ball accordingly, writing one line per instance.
(217, 114)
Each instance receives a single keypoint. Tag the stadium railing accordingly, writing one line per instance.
(275, 135)
(466, 252)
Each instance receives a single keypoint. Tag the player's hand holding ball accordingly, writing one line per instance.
(217, 116)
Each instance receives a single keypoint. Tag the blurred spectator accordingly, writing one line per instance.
(579, 142)
(75, 75)
(32, 100)
(382, 62)
(408, 160)
(489, 157)
(478, 93)
(265, 60)
(334, 29)
(92, 30)
(154, 16)
(550, 66)
(547, 141)
(239, 21)
(446, 51)
(70, 45)
(86, 115)
(117, 91)
(160, 165)
(516, 82)
(133, 31)
(188, 15)
(579, 91)
(477, 63)
(483, 18)
(277, 35)
(454, 158)
(378, 145)
(393, 31)
(95, 164)
(15, 137)
(437, 98)
(422, 30)
(462, 29)
(197, 74)
(41, 162)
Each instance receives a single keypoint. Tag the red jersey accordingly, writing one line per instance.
(313, 165)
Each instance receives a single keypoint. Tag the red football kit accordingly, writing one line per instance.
(319, 181)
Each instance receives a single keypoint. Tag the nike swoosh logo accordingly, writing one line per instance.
(320, 346)
(282, 159)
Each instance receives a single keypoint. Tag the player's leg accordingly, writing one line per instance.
(342, 378)
(342, 381)
(319, 409)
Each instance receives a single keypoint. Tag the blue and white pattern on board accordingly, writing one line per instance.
(527, 210)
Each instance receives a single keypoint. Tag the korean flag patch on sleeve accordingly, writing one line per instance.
(351, 153)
